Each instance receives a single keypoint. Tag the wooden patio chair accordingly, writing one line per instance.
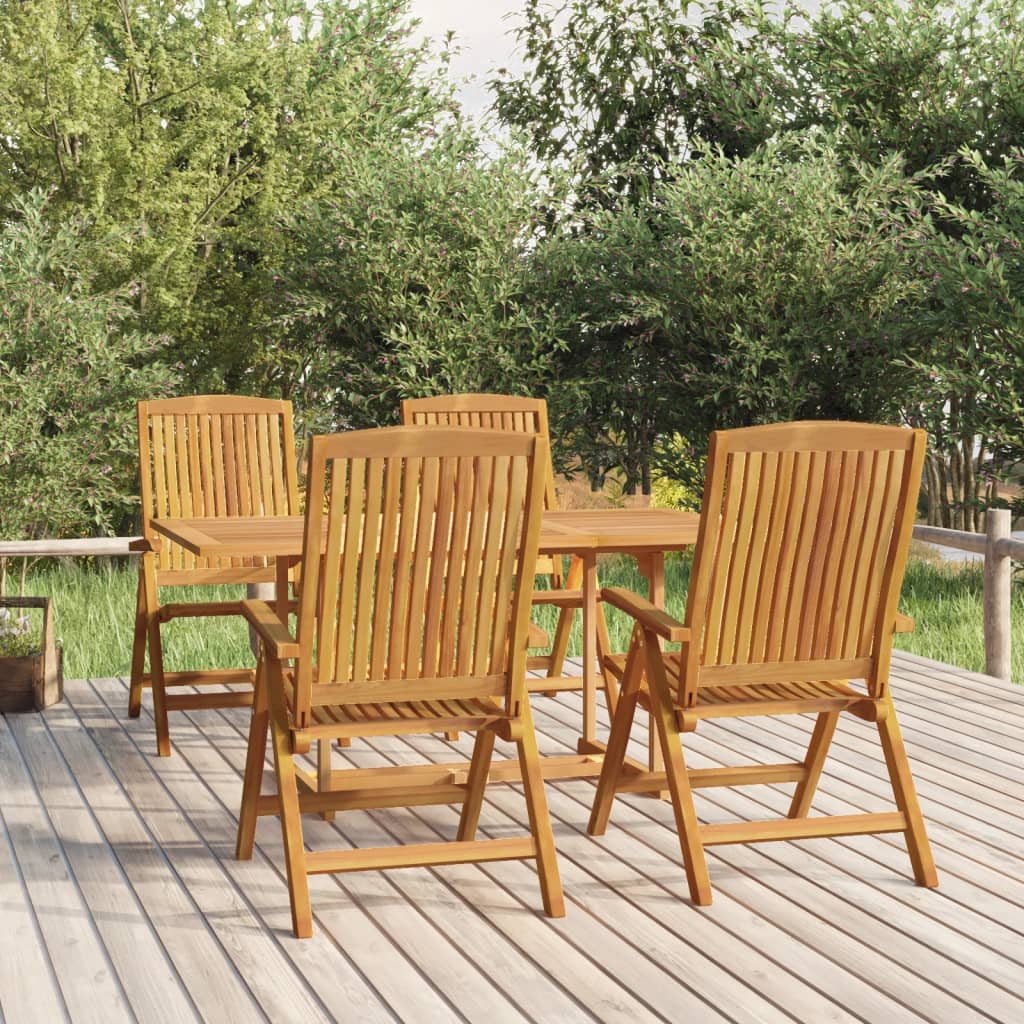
(797, 570)
(411, 623)
(530, 415)
(205, 455)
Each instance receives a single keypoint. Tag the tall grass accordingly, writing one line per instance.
(95, 613)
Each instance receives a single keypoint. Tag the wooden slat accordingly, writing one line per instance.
(122, 927)
(80, 959)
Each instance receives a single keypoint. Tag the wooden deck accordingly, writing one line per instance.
(120, 898)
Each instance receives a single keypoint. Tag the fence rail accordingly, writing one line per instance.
(70, 548)
(998, 547)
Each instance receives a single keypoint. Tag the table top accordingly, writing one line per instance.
(574, 531)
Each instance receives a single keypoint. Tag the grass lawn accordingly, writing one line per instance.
(95, 611)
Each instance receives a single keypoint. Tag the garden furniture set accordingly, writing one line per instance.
(406, 578)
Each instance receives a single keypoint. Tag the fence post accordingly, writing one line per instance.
(997, 594)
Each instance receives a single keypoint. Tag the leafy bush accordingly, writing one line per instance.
(747, 290)
(72, 366)
(416, 279)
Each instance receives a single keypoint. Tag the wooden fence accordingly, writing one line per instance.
(998, 547)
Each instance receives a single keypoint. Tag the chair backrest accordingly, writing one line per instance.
(800, 556)
(420, 536)
(215, 455)
(490, 412)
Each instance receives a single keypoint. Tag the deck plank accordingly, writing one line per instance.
(28, 985)
(276, 992)
(117, 871)
(83, 968)
(190, 943)
(155, 993)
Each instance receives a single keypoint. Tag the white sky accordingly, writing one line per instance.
(480, 28)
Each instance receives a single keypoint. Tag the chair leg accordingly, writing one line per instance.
(288, 795)
(540, 818)
(817, 750)
(664, 719)
(604, 647)
(479, 768)
(618, 739)
(255, 757)
(323, 773)
(138, 652)
(906, 800)
(156, 659)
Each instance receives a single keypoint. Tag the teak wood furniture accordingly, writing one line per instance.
(201, 456)
(646, 533)
(803, 541)
(529, 415)
(409, 621)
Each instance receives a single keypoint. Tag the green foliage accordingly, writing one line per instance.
(19, 637)
(179, 132)
(973, 408)
(748, 290)
(845, 248)
(416, 279)
(623, 88)
(72, 365)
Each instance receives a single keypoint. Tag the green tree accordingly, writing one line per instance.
(415, 279)
(908, 83)
(974, 406)
(748, 290)
(179, 133)
(621, 89)
(941, 85)
(72, 366)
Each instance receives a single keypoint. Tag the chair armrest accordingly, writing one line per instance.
(903, 624)
(648, 615)
(270, 629)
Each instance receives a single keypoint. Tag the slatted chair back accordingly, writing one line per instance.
(420, 536)
(490, 412)
(215, 455)
(804, 536)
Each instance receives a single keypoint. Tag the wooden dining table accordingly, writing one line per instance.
(644, 533)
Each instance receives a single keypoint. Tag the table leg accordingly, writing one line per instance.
(589, 560)
(282, 567)
(259, 592)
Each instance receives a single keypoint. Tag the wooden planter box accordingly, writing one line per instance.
(35, 681)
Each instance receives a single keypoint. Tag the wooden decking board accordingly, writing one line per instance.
(274, 991)
(696, 929)
(947, 941)
(262, 881)
(88, 982)
(862, 790)
(659, 989)
(187, 938)
(659, 845)
(833, 930)
(155, 994)
(665, 986)
(993, 831)
(28, 983)
(368, 890)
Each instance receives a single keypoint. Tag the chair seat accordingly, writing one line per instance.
(409, 717)
(749, 695)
